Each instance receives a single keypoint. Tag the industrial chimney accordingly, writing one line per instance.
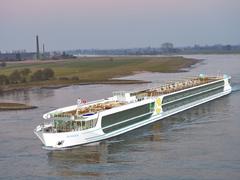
(37, 46)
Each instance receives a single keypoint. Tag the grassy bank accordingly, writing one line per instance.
(90, 70)
(14, 106)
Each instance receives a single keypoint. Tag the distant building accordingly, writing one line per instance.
(167, 45)
(17, 56)
(168, 48)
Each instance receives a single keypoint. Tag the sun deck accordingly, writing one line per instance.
(121, 98)
(93, 108)
(177, 86)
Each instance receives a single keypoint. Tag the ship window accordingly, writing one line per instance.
(176, 96)
(191, 99)
(141, 113)
(67, 126)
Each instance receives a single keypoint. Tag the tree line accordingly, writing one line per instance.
(26, 75)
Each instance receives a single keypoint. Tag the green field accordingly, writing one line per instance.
(96, 69)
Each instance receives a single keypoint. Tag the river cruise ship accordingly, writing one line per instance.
(88, 122)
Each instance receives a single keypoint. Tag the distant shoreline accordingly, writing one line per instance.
(57, 86)
(97, 70)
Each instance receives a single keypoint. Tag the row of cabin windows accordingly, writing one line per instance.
(174, 105)
(132, 115)
(126, 114)
(191, 92)
(68, 126)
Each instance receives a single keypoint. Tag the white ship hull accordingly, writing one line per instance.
(58, 140)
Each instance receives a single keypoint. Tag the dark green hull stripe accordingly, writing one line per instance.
(171, 106)
(138, 114)
(119, 118)
(196, 90)
(126, 124)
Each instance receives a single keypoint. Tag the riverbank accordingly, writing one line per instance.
(15, 106)
(95, 70)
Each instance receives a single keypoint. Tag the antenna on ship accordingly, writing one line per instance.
(218, 73)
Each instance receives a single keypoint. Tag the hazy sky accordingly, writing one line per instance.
(71, 24)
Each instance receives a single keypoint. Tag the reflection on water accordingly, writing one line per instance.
(66, 162)
(17, 95)
(83, 154)
(33, 97)
(201, 114)
(84, 160)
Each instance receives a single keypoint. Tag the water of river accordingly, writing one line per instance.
(201, 143)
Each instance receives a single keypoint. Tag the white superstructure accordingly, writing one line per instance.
(124, 111)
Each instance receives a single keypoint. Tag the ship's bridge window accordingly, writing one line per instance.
(119, 93)
(61, 125)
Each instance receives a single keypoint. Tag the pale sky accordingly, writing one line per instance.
(73, 24)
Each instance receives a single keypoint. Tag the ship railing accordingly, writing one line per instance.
(68, 117)
(169, 88)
